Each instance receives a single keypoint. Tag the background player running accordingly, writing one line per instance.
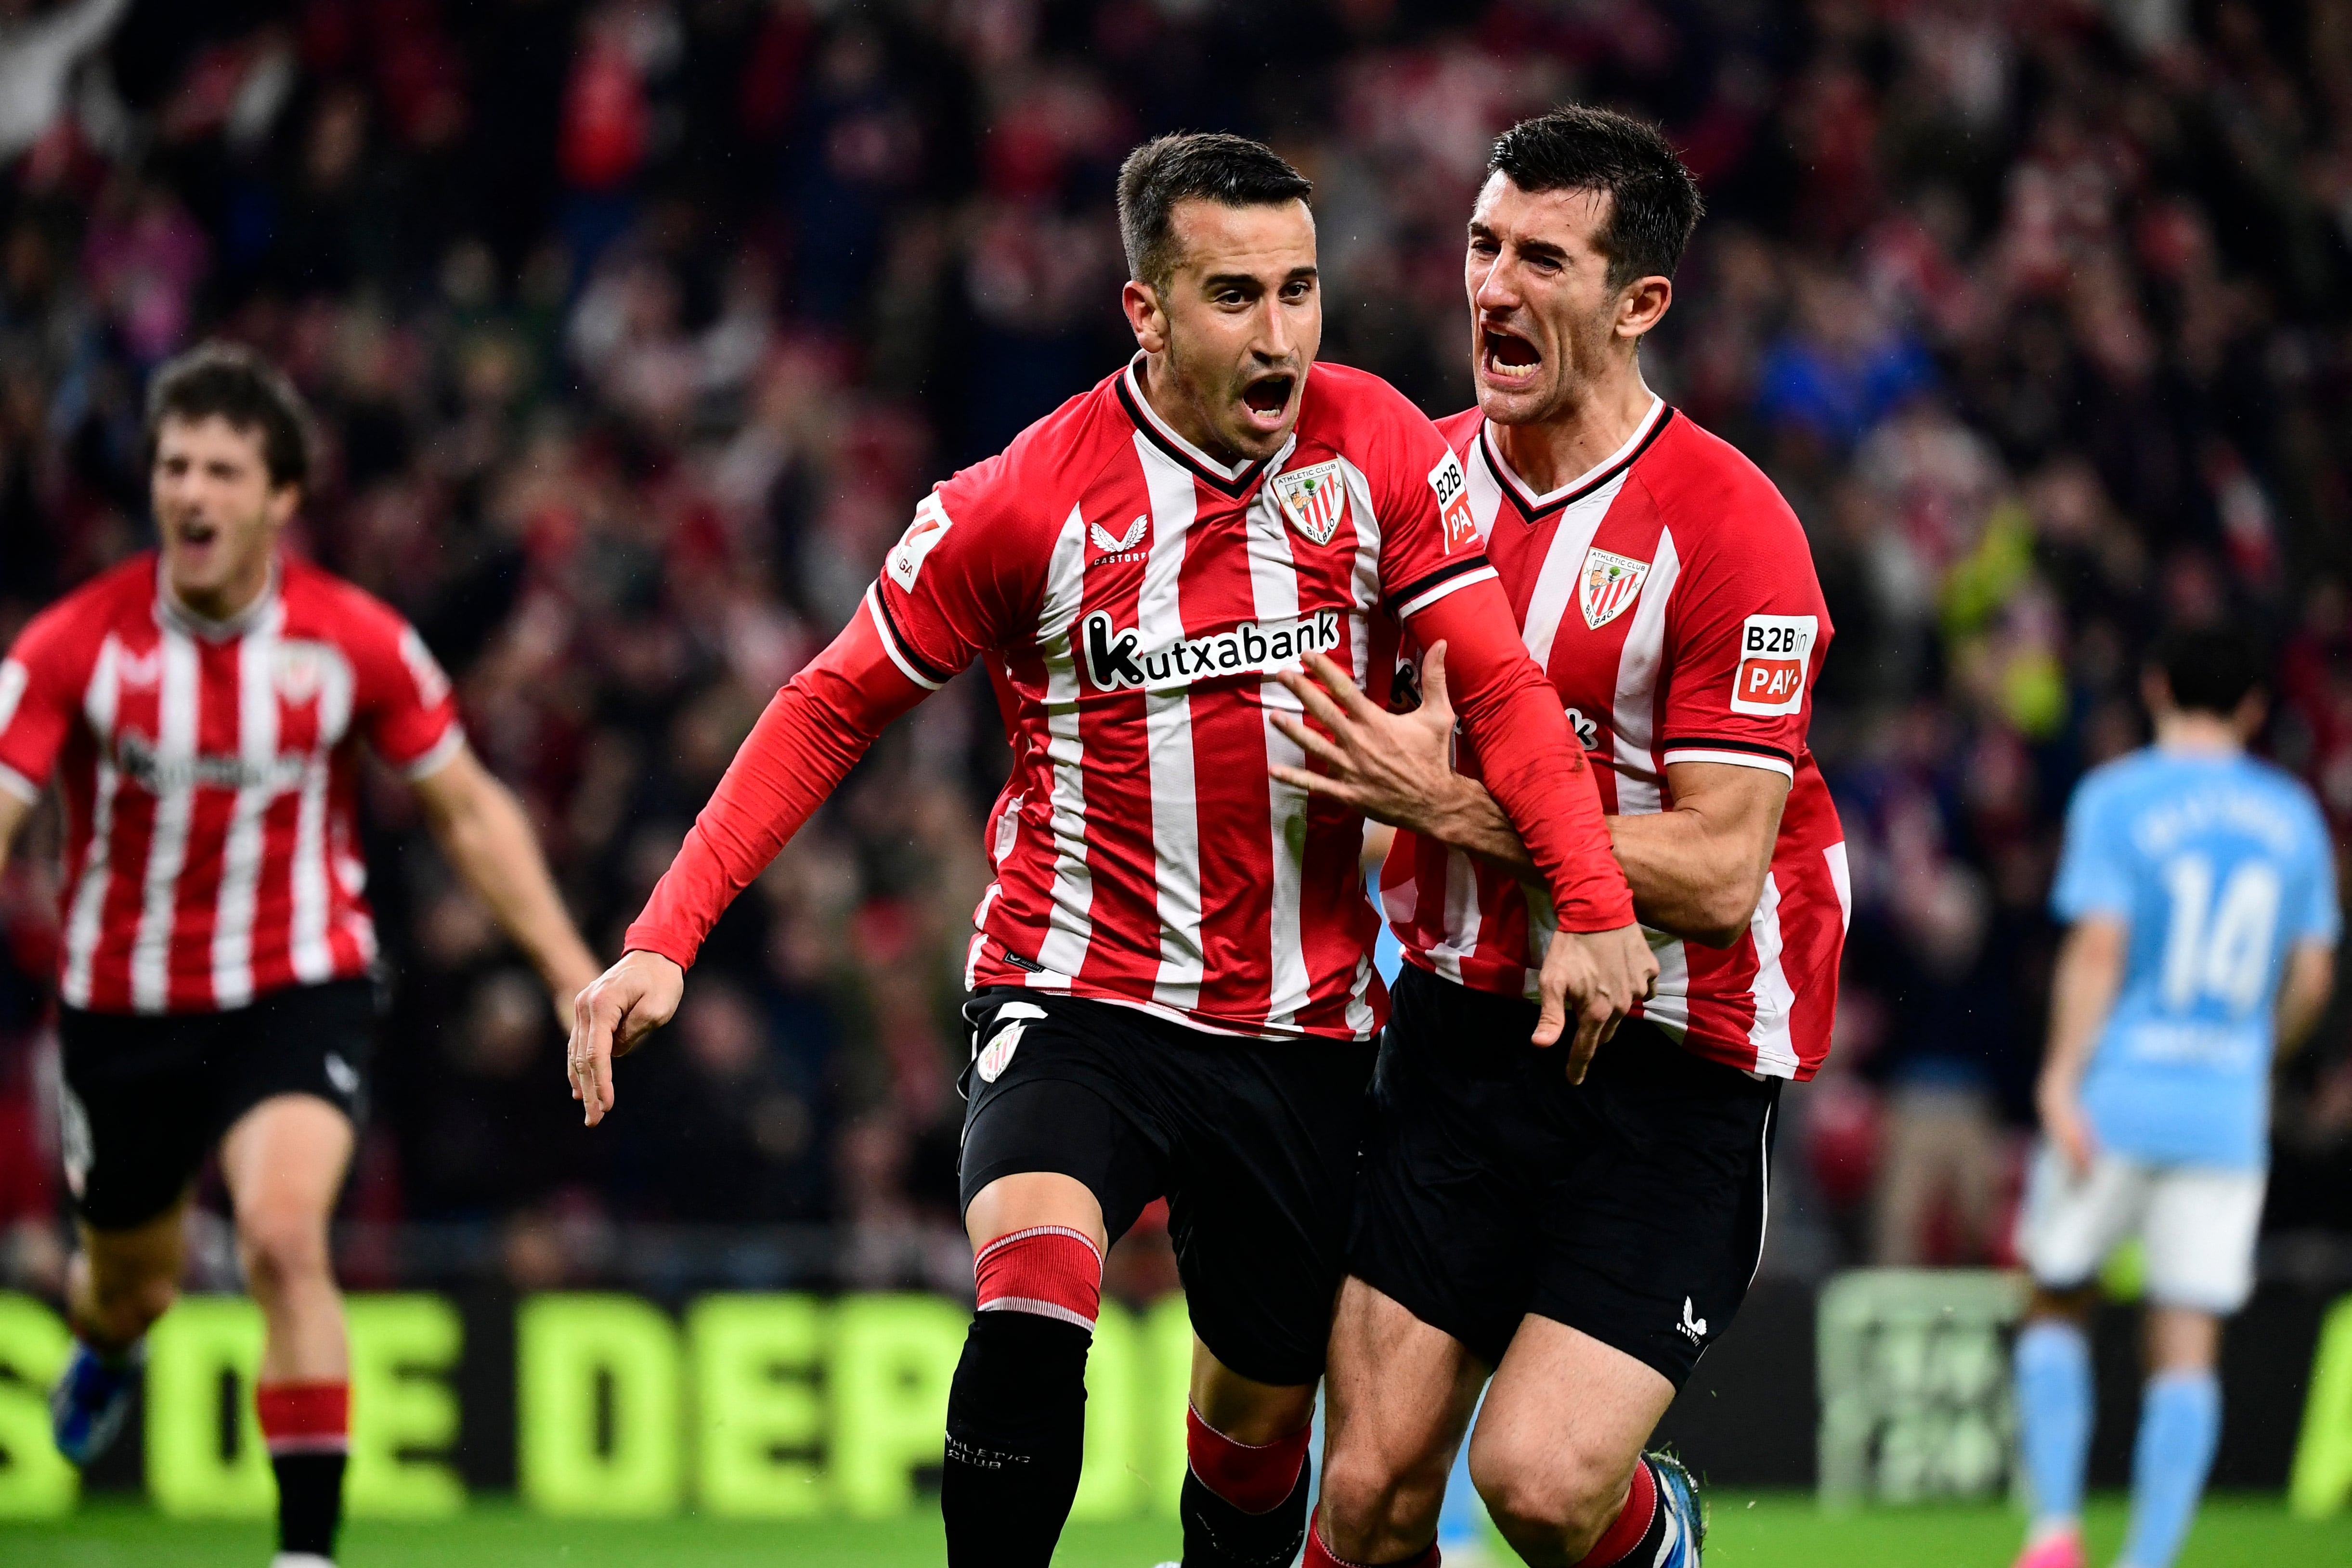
(2199, 885)
(1583, 1236)
(1173, 992)
(203, 706)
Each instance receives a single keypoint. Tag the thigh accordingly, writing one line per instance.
(2071, 1222)
(285, 1159)
(137, 1113)
(1050, 1093)
(1398, 1394)
(2199, 1231)
(1566, 1415)
(1261, 1180)
(1446, 1196)
(1654, 1219)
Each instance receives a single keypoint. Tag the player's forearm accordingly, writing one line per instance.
(2082, 993)
(2303, 999)
(13, 813)
(489, 840)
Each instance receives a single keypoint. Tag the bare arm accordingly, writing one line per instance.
(2302, 997)
(13, 813)
(2082, 993)
(481, 828)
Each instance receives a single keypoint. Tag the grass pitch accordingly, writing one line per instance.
(1746, 1531)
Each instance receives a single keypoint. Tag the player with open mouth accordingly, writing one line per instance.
(1581, 1234)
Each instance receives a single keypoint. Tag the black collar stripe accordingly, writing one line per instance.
(1236, 485)
(1531, 510)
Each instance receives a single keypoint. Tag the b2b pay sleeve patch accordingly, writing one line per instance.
(1774, 652)
(1458, 527)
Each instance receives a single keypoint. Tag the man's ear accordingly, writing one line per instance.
(1642, 304)
(284, 500)
(1145, 315)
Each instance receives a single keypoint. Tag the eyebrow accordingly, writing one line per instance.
(1541, 247)
(1230, 280)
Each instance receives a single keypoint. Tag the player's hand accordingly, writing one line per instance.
(563, 988)
(2067, 1128)
(1596, 977)
(1394, 768)
(623, 1005)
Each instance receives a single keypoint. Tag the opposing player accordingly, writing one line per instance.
(2199, 889)
(1172, 988)
(1583, 1235)
(202, 706)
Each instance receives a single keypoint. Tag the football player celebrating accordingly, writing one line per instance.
(202, 706)
(1172, 988)
(2198, 888)
(1581, 1236)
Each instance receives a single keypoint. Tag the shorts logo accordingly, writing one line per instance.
(1608, 585)
(75, 1146)
(1693, 1328)
(1458, 528)
(1773, 650)
(1115, 546)
(343, 1075)
(997, 1054)
(1316, 499)
(931, 526)
(1114, 658)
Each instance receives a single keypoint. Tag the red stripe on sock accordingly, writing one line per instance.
(1321, 1556)
(1254, 1478)
(1048, 1270)
(304, 1416)
(1633, 1521)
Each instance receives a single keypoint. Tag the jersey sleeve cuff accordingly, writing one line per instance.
(1736, 753)
(14, 783)
(671, 945)
(911, 665)
(1420, 595)
(437, 755)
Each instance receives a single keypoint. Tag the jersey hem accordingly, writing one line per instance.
(911, 665)
(437, 755)
(1761, 763)
(1438, 584)
(987, 976)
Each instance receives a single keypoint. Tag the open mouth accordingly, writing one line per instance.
(1505, 353)
(198, 534)
(1268, 395)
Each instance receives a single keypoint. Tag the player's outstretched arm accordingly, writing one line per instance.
(481, 826)
(2082, 991)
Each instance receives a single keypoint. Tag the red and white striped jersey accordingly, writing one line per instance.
(1670, 596)
(210, 771)
(1133, 598)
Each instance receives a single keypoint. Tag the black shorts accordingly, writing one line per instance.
(1629, 1207)
(146, 1097)
(1251, 1142)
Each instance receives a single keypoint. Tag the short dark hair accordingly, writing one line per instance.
(1202, 165)
(233, 382)
(2209, 669)
(1654, 202)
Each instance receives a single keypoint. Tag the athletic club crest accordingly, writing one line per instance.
(1608, 585)
(1315, 499)
(1011, 1021)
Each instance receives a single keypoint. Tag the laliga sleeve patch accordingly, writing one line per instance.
(931, 526)
(1458, 529)
(1773, 654)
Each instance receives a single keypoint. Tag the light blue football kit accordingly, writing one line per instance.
(2219, 866)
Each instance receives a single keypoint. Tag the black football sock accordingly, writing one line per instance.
(1219, 1535)
(1016, 1427)
(309, 1501)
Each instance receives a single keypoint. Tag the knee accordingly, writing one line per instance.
(281, 1250)
(1550, 1507)
(125, 1302)
(1372, 1511)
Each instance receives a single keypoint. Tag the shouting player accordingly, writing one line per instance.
(202, 706)
(1581, 1236)
(2199, 887)
(1172, 989)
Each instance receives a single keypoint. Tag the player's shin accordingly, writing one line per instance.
(1017, 1409)
(1244, 1504)
(2179, 1421)
(307, 1427)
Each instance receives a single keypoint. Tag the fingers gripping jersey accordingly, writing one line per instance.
(1133, 598)
(1669, 595)
(210, 775)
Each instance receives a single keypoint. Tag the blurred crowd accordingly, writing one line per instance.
(636, 329)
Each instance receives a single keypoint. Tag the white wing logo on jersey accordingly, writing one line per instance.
(1608, 585)
(1315, 499)
(1115, 544)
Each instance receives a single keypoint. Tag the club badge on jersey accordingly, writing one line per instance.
(1315, 499)
(1608, 585)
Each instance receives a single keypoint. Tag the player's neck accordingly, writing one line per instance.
(2201, 733)
(1597, 419)
(229, 602)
